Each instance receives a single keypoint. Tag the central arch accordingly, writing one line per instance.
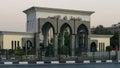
(65, 39)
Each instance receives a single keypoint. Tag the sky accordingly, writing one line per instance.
(107, 12)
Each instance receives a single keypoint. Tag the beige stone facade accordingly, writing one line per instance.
(7, 38)
(101, 41)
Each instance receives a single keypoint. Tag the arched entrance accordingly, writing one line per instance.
(81, 39)
(29, 48)
(65, 40)
(48, 34)
(29, 44)
(93, 47)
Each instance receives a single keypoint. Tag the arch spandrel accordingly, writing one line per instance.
(69, 23)
(43, 21)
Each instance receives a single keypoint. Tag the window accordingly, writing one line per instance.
(103, 46)
(15, 45)
(99, 46)
(12, 43)
(18, 44)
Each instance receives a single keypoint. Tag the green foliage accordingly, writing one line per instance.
(49, 50)
(64, 50)
(67, 37)
(19, 51)
(108, 48)
(42, 47)
(114, 41)
(101, 30)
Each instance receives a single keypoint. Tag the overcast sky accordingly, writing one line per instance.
(107, 12)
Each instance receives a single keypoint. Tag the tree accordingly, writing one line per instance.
(19, 52)
(49, 50)
(100, 29)
(114, 41)
(108, 49)
(67, 40)
(64, 50)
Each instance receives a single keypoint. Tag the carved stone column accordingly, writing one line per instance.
(45, 38)
(73, 45)
(55, 45)
(37, 42)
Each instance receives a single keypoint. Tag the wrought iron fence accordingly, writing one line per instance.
(9, 55)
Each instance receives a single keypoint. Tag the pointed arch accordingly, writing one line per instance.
(82, 28)
(64, 26)
(47, 26)
(93, 47)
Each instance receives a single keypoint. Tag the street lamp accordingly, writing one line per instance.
(117, 47)
(118, 39)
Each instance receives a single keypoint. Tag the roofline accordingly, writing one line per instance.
(58, 9)
(15, 32)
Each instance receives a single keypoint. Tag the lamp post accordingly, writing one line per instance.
(117, 47)
(118, 39)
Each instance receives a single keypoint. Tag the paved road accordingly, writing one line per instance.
(114, 65)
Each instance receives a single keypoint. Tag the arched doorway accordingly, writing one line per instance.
(81, 39)
(48, 35)
(65, 40)
(93, 47)
(28, 47)
(29, 44)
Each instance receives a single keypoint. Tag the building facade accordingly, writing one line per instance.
(47, 26)
(12, 40)
(100, 42)
(40, 20)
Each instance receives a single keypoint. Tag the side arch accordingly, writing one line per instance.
(93, 47)
(47, 26)
(43, 21)
(83, 28)
(82, 39)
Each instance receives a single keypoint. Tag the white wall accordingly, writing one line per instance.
(32, 19)
(104, 40)
(31, 22)
(46, 14)
(7, 38)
